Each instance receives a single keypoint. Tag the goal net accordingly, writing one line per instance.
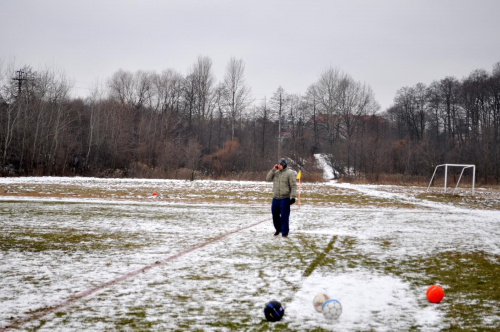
(446, 166)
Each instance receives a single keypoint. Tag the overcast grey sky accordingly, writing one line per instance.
(387, 44)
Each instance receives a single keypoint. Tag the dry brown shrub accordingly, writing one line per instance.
(387, 179)
(222, 161)
(183, 174)
(250, 176)
(261, 176)
(143, 171)
(312, 177)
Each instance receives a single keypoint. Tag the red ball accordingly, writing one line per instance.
(154, 194)
(435, 294)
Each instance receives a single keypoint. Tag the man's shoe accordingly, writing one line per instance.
(277, 233)
(285, 235)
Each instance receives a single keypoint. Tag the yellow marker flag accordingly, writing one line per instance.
(299, 175)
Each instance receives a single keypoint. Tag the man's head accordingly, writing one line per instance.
(283, 163)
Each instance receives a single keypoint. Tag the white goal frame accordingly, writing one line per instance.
(464, 167)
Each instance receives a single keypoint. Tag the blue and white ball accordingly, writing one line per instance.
(274, 311)
(332, 309)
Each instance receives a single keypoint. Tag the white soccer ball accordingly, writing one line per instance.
(332, 309)
(319, 300)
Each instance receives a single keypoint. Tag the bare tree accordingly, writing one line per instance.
(237, 93)
(294, 104)
(13, 107)
(449, 91)
(55, 89)
(121, 86)
(312, 99)
(410, 103)
(326, 90)
(168, 87)
(278, 102)
(94, 102)
(435, 105)
(264, 111)
(354, 101)
(220, 105)
(199, 95)
(204, 85)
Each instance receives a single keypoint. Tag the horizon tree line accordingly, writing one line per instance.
(165, 124)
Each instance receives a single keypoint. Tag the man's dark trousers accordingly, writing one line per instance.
(280, 209)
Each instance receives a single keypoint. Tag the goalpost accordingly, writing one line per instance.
(464, 167)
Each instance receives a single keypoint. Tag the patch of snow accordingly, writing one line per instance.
(369, 302)
(328, 171)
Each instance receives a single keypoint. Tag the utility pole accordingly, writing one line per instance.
(20, 78)
(11, 117)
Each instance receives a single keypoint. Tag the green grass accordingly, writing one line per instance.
(319, 258)
(471, 282)
(488, 202)
(67, 240)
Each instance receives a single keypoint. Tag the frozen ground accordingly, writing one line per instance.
(207, 268)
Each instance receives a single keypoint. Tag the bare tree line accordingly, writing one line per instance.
(149, 124)
(449, 120)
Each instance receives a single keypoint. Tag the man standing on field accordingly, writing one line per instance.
(284, 194)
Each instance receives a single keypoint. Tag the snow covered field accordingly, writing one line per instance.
(105, 254)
